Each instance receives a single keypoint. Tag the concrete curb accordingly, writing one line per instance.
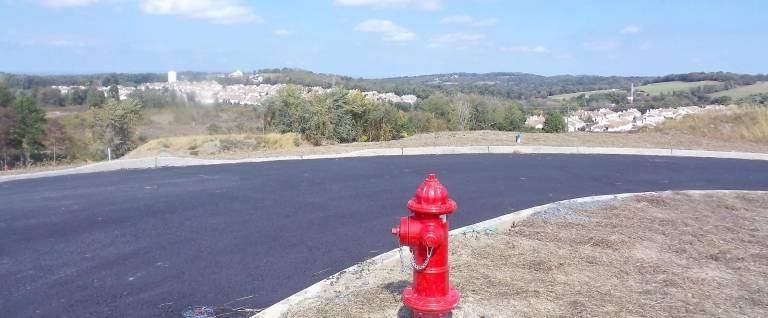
(494, 225)
(168, 161)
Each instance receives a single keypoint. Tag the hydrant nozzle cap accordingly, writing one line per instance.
(431, 198)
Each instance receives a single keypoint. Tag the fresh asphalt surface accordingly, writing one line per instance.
(148, 243)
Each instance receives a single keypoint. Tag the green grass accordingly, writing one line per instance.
(744, 91)
(572, 95)
(656, 89)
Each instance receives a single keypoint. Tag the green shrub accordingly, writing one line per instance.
(555, 123)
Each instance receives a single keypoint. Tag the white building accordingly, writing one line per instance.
(171, 77)
(618, 125)
(574, 124)
(535, 121)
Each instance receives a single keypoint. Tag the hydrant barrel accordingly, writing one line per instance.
(426, 234)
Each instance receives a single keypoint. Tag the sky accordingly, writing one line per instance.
(384, 38)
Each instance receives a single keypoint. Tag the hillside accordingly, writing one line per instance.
(586, 94)
(730, 124)
(513, 85)
(656, 89)
(743, 91)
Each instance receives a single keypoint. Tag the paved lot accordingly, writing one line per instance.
(147, 243)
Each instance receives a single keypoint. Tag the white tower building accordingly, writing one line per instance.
(171, 77)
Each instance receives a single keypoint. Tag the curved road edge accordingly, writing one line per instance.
(170, 161)
(497, 224)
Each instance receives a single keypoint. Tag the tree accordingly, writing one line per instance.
(114, 92)
(437, 104)
(462, 105)
(8, 120)
(76, 96)
(94, 98)
(289, 110)
(555, 123)
(722, 100)
(319, 121)
(6, 97)
(383, 123)
(28, 132)
(114, 125)
(49, 96)
(514, 118)
(56, 138)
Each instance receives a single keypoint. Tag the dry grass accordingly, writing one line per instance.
(733, 123)
(213, 145)
(647, 139)
(667, 255)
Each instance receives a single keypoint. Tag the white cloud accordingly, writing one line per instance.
(284, 32)
(67, 3)
(525, 49)
(390, 31)
(456, 40)
(469, 20)
(216, 11)
(428, 5)
(601, 45)
(630, 29)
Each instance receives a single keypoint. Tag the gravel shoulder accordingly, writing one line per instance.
(651, 255)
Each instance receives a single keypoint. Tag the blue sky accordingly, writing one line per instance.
(380, 38)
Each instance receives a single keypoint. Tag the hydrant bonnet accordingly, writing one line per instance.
(431, 198)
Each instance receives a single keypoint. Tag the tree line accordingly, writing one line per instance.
(347, 116)
(27, 136)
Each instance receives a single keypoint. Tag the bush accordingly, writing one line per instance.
(555, 123)
(214, 129)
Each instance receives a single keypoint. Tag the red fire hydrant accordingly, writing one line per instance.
(426, 234)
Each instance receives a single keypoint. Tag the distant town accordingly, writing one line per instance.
(211, 92)
(606, 120)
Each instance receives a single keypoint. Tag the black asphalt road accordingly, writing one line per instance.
(147, 243)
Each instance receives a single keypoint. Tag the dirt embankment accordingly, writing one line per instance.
(661, 255)
(242, 146)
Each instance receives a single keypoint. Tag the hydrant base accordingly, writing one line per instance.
(429, 306)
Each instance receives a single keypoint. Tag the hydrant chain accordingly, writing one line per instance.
(426, 259)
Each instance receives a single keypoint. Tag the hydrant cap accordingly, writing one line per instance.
(431, 198)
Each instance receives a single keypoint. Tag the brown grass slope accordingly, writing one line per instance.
(731, 124)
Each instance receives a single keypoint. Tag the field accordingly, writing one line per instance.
(572, 95)
(656, 89)
(744, 91)
(654, 255)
